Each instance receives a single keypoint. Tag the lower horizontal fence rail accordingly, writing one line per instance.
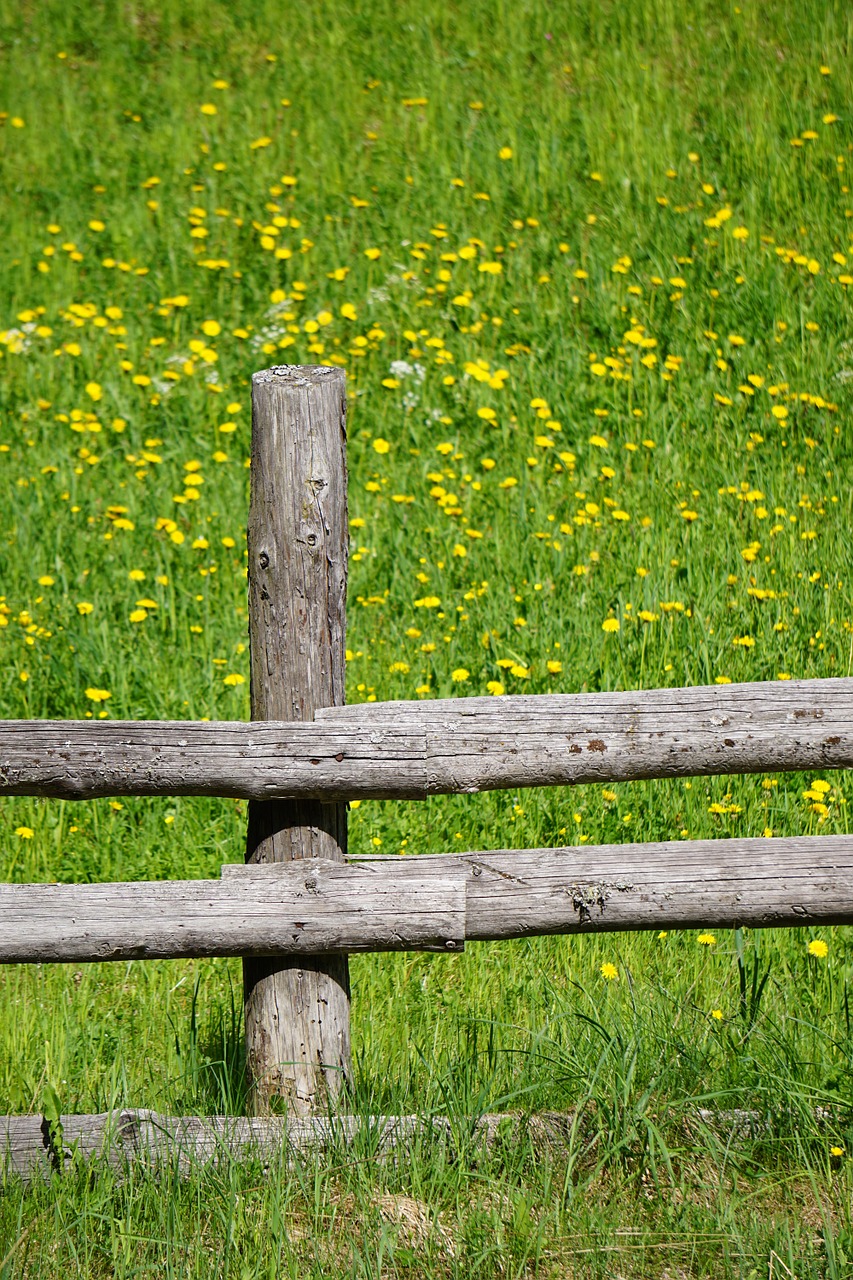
(414, 749)
(435, 902)
(31, 1145)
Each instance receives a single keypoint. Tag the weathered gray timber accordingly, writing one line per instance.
(674, 884)
(297, 1012)
(29, 1145)
(414, 749)
(435, 902)
(302, 910)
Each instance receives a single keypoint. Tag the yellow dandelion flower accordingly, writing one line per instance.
(818, 948)
(609, 971)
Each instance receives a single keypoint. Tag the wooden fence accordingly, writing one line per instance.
(295, 908)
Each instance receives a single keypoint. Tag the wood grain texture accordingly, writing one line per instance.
(297, 1012)
(29, 1146)
(673, 884)
(182, 1145)
(410, 749)
(435, 902)
(304, 909)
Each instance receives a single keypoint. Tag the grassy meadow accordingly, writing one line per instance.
(588, 268)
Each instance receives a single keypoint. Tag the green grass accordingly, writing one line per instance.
(685, 472)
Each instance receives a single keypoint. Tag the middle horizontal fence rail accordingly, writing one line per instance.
(435, 902)
(409, 750)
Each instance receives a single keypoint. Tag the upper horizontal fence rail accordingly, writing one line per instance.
(409, 750)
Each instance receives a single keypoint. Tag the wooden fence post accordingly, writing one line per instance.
(297, 1011)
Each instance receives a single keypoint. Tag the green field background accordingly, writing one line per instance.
(588, 270)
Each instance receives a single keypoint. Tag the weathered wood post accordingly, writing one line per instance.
(297, 1011)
